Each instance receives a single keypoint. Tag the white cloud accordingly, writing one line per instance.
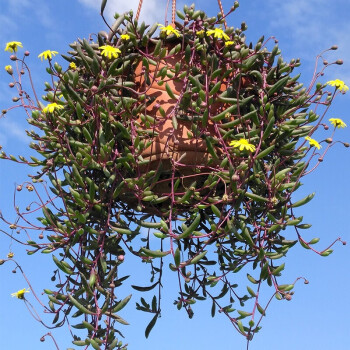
(301, 19)
(311, 27)
(12, 130)
(151, 11)
(7, 28)
(14, 13)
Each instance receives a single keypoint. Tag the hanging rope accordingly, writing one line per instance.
(173, 13)
(139, 9)
(223, 13)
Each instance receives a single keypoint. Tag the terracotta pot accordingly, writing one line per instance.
(171, 147)
(170, 144)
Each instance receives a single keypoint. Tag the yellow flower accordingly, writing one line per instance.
(229, 43)
(243, 144)
(47, 55)
(9, 69)
(312, 142)
(125, 37)
(72, 66)
(338, 123)
(51, 107)
(200, 32)
(339, 84)
(20, 293)
(10, 255)
(169, 30)
(30, 188)
(218, 33)
(13, 45)
(109, 51)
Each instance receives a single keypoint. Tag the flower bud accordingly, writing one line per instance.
(19, 188)
(340, 62)
(329, 140)
(15, 99)
(11, 85)
(26, 53)
(9, 69)
(334, 47)
(13, 58)
(120, 258)
(235, 177)
(346, 144)
(325, 62)
(288, 297)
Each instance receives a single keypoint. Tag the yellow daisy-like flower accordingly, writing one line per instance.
(9, 69)
(109, 51)
(12, 46)
(200, 32)
(20, 293)
(243, 144)
(72, 66)
(229, 43)
(168, 30)
(125, 37)
(51, 107)
(312, 142)
(47, 55)
(218, 33)
(10, 255)
(337, 122)
(339, 84)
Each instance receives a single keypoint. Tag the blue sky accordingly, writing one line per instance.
(317, 316)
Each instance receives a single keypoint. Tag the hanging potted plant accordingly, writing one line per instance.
(146, 130)
(178, 102)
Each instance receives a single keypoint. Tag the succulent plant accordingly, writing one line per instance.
(193, 134)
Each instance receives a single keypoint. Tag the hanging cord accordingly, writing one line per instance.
(139, 9)
(223, 13)
(173, 13)
(166, 13)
